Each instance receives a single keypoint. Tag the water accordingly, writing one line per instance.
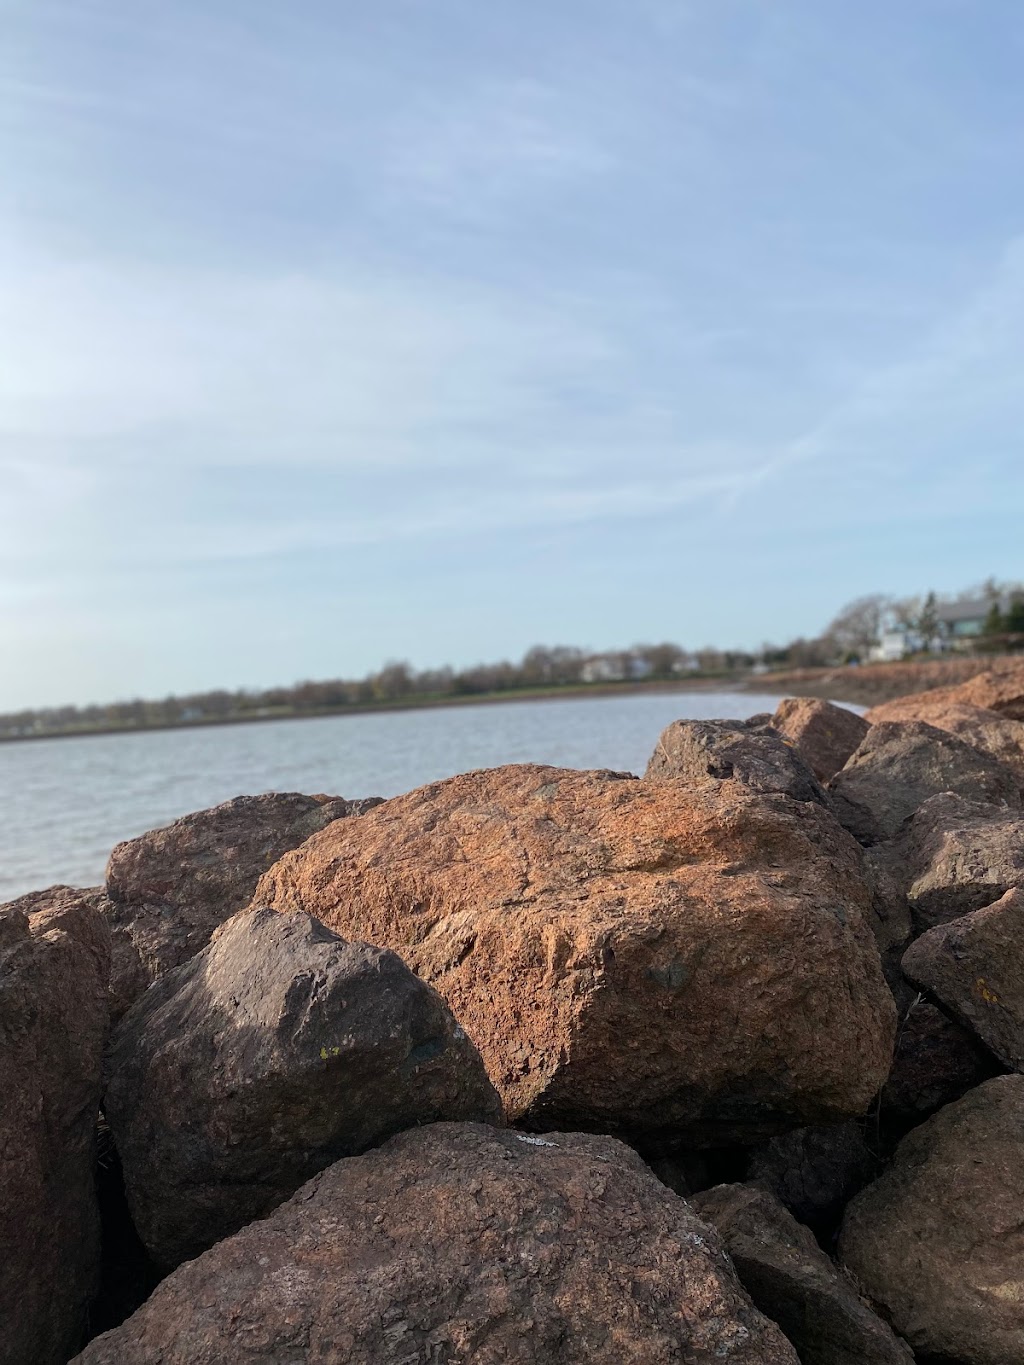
(64, 803)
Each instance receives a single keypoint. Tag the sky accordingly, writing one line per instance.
(335, 333)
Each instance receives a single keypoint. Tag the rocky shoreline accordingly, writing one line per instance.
(723, 1062)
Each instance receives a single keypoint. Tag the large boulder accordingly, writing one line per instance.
(899, 765)
(1001, 689)
(276, 1050)
(169, 889)
(824, 734)
(936, 1240)
(54, 964)
(975, 967)
(794, 1283)
(747, 751)
(992, 733)
(461, 1244)
(630, 956)
(955, 856)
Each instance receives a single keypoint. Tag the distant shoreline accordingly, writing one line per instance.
(567, 692)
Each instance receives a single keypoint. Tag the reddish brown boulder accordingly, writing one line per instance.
(54, 963)
(995, 735)
(467, 1245)
(956, 856)
(276, 1050)
(169, 889)
(1001, 689)
(936, 1240)
(629, 956)
(826, 735)
(793, 1282)
(900, 765)
(747, 751)
(975, 967)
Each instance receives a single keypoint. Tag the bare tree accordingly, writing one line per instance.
(859, 624)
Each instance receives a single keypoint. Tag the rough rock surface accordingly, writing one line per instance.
(936, 1240)
(825, 734)
(794, 1283)
(956, 856)
(54, 964)
(975, 967)
(1001, 689)
(276, 1050)
(746, 751)
(629, 956)
(900, 765)
(814, 1171)
(169, 889)
(462, 1245)
(992, 733)
(935, 1062)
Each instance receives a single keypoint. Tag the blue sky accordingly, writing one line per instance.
(334, 333)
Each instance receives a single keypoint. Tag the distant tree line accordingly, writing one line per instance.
(850, 637)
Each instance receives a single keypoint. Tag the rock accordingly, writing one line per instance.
(975, 967)
(276, 1050)
(170, 888)
(936, 1061)
(1001, 689)
(993, 734)
(824, 734)
(54, 964)
(461, 1244)
(745, 751)
(956, 856)
(633, 957)
(814, 1171)
(900, 765)
(936, 1240)
(793, 1282)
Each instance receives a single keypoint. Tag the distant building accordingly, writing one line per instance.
(614, 668)
(965, 621)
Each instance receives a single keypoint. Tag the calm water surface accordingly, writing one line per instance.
(64, 803)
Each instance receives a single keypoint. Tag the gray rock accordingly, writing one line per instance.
(54, 964)
(794, 1283)
(276, 1050)
(957, 856)
(899, 765)
(936, 1241)
(458, 1244)
(975, 967)
(169, 889)
(746, 751)
(936, 1062)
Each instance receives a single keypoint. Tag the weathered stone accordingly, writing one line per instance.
(936, 1240)
(814, 1171)
(935, 1062)
(466, 1245)
(1001, 689)
(826, 735)
(630, 956)
(794, 1283)
(900, 765)
(54, 964)
(169, 889)
(745, 751)
(956, 856)
(975, 967)
(276, 1050)
(992, 733)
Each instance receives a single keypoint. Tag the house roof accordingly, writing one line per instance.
(970, 609)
